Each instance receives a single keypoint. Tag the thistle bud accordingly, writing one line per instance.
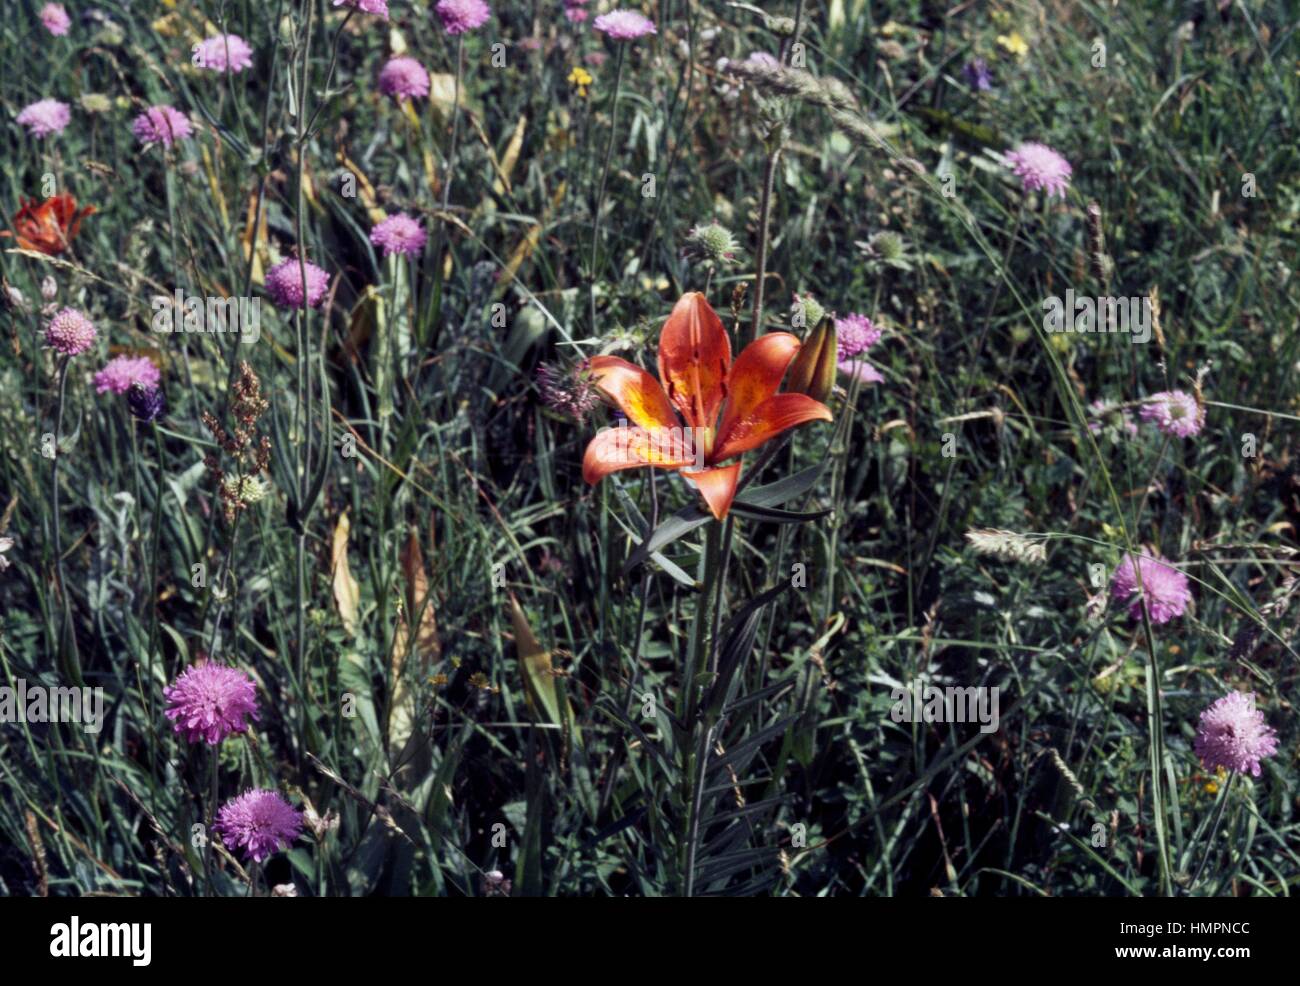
(49, 288)
(813, 369)
(713, 243)
(806, 311)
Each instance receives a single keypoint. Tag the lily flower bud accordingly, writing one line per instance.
(814, 366)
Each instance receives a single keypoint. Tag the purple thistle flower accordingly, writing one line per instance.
(377, 7)
(399, 234)
(122, 372)
(1164, 588)
(404, 78)
(55, 19)
(224, 53)
(161, 125)
(210, 701)
(1038, 166)
(459, 16)
(1174, 412)
(1233, 734)
(567, 392)
(977, 75)
(624, 25)
(145, 404)
(70, 332)
(48, 116)
(260, 822)
(284, 283)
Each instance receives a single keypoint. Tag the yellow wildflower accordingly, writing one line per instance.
(1014, 44)
(580, 78)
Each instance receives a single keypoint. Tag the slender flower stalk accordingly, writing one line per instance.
(604, 177)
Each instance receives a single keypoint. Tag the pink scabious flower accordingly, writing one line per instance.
(1173, 412)
(55, 19)
(1164, 588)
(224, 53)
(121, 372)
(70, 332)
(624, 25)
(1105, 414)
(399, 234)
(260, 822)
(1039, 167)
(854, 335)
(404, 78)
(284, 283)
(210, 701)
(161, 125)
(377, 7)
(48, 116)
(1233, 734)
(459, 16)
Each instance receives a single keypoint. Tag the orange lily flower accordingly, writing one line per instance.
(701, 382)
(48, 227)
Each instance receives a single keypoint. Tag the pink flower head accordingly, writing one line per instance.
(161, 125)
(761, 59)
(1174, 412)
(121, 372)
(459, 16)
(574, 12)
(224, 53)
(70, 332)
(854, 335)
(377, 7)
(1165, 589)
(624, 25)
(55, 19)
(399, 234)
(1119, 417)
(284, 283)
(404, 78)
(1233, 734)
(861, 369)
(211, 701)
(260, 822)
(1038, 166)
(46, 117)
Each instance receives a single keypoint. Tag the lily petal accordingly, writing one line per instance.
(717, 486)
(615, 449)
(694, 358)
(778, 413)
(636, 392)
(755, 376)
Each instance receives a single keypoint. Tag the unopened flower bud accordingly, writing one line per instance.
(49, 288)
(806, 311)
(813, 369)
(712, 242)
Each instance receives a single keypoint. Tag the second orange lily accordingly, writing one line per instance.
(699, 382)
